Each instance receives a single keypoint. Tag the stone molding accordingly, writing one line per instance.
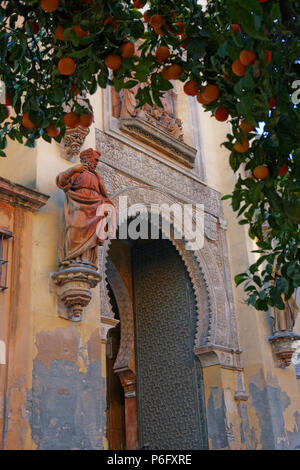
(18, 195)
(160, 140)
(283, 347)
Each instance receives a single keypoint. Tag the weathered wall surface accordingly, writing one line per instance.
(274, 400)
(65, 404)
(52, 390)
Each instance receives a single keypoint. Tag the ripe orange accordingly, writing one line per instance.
(27, 123)
(201, 99)
(165, 73)
(268, 55)
(158, 31)
(113, 61)
(59, 33)
(261, 172)
(210, 93)
(49, 5)
(139, 3)
(191, 88)
(80, 33)
(180, 27)
(272, 103)
(52, 131)
(156, 21)
(162, 53)
(174, 71)
(33, 26)
(238, 68)
(246, 126)
(66, 66)
(127, 49)
(243, 147)
(86, 120)
(221, 114)
(71, 120)
(236, 28)
(247, 57)
(283, 170)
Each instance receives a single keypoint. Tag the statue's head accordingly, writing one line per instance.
(91, 158)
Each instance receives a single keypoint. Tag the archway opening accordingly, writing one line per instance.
(170, 410)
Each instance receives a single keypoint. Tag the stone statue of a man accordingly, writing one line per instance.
(89, 215)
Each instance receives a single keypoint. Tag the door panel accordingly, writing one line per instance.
(169, 376)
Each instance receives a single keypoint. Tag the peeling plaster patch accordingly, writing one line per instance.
(63, 343)
(285, 400)
(248, 436)
(294, 436)
(267, 401)
(61, 420)
(216, 419)
(66, 405)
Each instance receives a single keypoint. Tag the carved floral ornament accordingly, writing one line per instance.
(74, 138)
(73, 141)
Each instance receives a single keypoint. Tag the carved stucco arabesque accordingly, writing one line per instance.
(129, 172)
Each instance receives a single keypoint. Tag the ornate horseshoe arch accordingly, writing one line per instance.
(214, 341)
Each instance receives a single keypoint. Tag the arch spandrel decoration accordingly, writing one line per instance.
(214, 342)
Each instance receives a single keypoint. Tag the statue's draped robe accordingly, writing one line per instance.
(85, 193)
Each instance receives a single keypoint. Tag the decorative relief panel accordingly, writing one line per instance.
(158, 127)
(144, 168)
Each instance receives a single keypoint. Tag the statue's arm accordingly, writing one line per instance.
(63, 179)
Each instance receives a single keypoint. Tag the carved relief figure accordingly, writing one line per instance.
(284, 320)
(129, 102)
(124, 105)
(84, 220)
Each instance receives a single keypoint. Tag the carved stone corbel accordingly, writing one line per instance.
(73, 141)
(283, 347)
(73, 289)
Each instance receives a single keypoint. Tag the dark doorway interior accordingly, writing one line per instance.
(115, 411)
(170, 395)
(169, 376)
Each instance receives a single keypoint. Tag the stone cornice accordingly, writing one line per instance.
(18, 195)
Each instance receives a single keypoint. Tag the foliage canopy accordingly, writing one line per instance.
(205, 42)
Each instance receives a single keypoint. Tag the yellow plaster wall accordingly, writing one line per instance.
(39, 167)
(254, 327)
